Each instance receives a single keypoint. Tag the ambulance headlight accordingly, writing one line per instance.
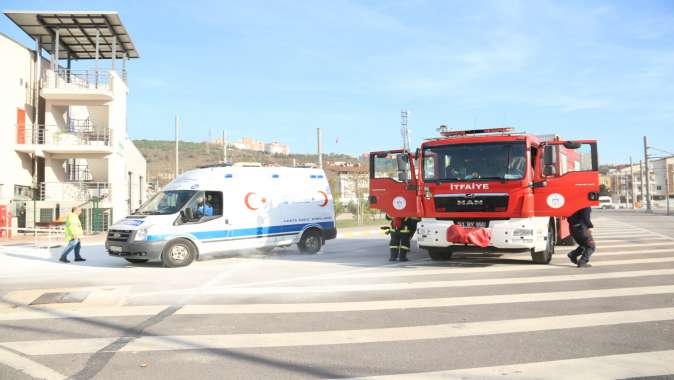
(141, 234)
(523, 232)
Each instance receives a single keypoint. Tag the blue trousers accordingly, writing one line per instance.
(73, 244)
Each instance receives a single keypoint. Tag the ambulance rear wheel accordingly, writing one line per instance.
(545, 256)
(439, 254)
(311, 242)
(178, 253)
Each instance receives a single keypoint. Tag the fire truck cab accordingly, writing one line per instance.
(488, 188)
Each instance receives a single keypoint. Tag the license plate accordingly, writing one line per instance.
(472, 223)
(114, 248)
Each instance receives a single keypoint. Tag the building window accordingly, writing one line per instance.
(658, 187)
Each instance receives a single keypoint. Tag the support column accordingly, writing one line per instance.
(98, 37)
(114, 51)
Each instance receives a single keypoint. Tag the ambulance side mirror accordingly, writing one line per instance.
(187, 215)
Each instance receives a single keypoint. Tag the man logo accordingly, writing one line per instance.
(470, 202)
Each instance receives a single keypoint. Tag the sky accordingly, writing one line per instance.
(277, 70)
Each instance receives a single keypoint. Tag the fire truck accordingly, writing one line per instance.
(488, 189)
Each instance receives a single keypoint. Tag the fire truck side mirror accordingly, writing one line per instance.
(572, 145)
(549, 170)
(548, 155)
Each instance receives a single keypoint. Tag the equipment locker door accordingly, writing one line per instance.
(567, 178)
(393, 183)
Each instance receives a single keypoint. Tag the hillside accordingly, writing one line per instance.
(160, 156)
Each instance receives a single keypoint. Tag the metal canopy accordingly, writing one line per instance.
(77, 33)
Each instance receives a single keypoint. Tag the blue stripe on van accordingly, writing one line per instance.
(248, 232)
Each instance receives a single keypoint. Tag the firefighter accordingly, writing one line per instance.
(581, 224)
(401, 230)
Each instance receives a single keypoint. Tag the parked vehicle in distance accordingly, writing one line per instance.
(225, 208)
(605, 202)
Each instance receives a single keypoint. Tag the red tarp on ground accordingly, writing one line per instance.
(476, 236)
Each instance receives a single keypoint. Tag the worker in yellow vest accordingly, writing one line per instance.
(73, 232)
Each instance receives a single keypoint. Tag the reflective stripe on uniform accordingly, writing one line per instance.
(394, 246)
(405, 248)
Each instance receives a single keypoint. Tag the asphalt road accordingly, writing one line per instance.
(347, 312)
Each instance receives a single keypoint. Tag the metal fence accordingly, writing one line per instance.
(40, 237)
(74, 191)
(78, 79)
(81, 134)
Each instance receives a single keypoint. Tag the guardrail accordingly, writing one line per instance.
(52, 134)
(74, 191)
(78, 79)
(42, 237)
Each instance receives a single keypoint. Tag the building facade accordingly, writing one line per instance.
(628, 182)
(66, 129)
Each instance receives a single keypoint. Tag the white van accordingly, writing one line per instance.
(217, 209)
(605, 202)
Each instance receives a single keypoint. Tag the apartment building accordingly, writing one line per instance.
(64, 120)
(628, 182)
(276, 148)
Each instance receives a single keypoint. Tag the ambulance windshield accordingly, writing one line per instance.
(479, 161)
(165, 202)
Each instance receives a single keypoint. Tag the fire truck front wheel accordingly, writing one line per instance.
(439, 254)
(544, 257)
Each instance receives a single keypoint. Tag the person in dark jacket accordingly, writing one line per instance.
(401, 231)
(581, 224)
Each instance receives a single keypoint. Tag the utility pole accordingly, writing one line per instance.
(177, 152)
(404, 130)
(632, 181)
(224, 147)
(667, 185)
(318, 145)
(648, 187)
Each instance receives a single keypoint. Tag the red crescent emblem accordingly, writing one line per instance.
(246, 200)
(325, 202)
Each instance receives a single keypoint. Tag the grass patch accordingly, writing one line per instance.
(346, 223)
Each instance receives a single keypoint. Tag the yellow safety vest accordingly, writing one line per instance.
(73, 228)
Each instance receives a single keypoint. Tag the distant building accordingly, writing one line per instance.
(65, 130)
(253, 144)
(628, 183)
(276, 148)
(353, 183)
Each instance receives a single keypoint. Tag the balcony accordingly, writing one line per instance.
(75, 191)
(82, 139)
(78, 85)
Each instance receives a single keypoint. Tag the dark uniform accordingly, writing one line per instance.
(580, 224)
(402, 230)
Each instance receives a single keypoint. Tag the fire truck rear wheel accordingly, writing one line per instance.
(545, 256)
(439, 254)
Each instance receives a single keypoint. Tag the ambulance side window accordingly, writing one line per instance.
(214, 200)
(206, 206)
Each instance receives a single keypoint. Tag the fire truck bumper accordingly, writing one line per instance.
(516, 233)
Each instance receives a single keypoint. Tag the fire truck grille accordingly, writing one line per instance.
(119, 235)
(470, 203)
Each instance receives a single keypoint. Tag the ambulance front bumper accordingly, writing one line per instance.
(142, 249)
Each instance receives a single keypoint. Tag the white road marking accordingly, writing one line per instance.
(335, 337)
(640, 364)
(27, 366)
(636, 245)
(433, 284)
(420, 303)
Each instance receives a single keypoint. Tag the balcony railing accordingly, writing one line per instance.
(78, 79)
(80, 134)
(74, 191)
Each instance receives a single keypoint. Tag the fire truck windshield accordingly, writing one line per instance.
(476, 161)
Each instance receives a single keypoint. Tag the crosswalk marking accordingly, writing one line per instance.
(340, 337)
(435, 284)
(27, 366)
(622, 366)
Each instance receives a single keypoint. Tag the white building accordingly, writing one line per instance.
(629, 182)
(276, 148)
(66, 129)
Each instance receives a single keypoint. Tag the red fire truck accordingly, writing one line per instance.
(488, 188)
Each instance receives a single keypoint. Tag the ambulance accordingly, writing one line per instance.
(228, 208)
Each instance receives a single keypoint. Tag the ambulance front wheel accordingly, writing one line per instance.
(311, 241)
(178, 253)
